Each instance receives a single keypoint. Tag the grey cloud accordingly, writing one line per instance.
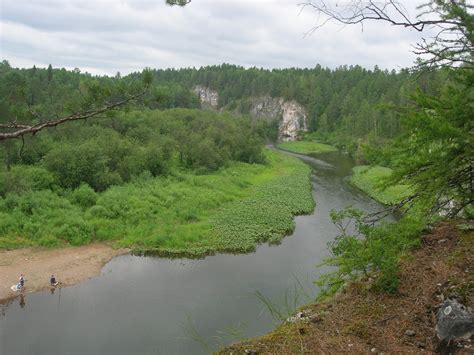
(106, 36)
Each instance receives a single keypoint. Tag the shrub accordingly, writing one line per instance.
(22, 178)
(362, 249)
(84, 196)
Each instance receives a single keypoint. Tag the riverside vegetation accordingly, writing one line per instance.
(373, 181)
(136, 180)
(306, 147)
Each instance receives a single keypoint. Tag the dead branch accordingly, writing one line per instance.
(452, 43)
(20, 130)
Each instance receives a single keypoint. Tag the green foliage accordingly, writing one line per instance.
(22, 178)
(74, 164)
(306, 147)
(373, 181)
(84, 196)
(435, 155)
(231, 209)
(266, 215)
(366, 250)
(347, 102)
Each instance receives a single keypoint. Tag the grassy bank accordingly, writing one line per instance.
(306, 147)
(370, 180)
(232, 209)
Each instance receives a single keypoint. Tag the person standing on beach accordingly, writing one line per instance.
(21, 282)
(52, 281)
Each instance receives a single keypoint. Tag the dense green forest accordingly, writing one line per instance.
(346, 106)
(343, 104)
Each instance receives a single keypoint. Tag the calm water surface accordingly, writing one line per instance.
(146, 305)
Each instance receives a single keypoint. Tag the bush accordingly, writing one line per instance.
(75, 231)
(22, 178)
(84, 196)
(73, 165)
(362, 250)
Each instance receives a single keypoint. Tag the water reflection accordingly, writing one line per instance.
(22, 300)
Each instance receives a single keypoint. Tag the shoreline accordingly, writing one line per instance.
(70, 265)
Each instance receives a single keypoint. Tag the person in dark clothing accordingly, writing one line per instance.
(52, 281)
(21, 282)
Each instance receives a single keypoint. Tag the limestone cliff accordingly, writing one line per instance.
(292, 117)
(208, 97)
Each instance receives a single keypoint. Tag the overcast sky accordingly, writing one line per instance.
(106, 36)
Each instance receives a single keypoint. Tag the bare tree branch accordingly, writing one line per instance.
(20, 130)
(451, 20)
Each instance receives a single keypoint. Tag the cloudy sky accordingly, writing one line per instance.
(106, 36)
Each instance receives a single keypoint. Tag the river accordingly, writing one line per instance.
(147, 305)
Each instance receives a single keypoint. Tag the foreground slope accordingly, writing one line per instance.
(361, 320)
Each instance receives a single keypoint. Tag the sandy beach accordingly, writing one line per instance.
(71, 265)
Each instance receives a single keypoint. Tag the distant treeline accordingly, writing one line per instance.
(344, 105)
(349, 100)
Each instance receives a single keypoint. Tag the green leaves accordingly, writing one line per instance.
(363, 250)
(375, 181)
(266, 215)
(435, 155)
(232, 209)
(147, 76)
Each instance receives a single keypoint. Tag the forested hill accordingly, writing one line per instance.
(343, 105)
(349, 100)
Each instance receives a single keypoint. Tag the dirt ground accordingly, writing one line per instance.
(70, 265)
(362, 321)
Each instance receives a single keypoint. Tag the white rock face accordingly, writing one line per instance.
(292, 115)
(293, 121)
(208, 97)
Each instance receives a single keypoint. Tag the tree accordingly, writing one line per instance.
(435, 154)
(177, 2)
(50, 73)
(96, 100)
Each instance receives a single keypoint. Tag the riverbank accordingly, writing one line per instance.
(233, 210)
(307, 147)
(361, 320)
(185, 213)
(370, 180)
(71, 265)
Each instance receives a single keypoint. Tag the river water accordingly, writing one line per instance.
(147, 305)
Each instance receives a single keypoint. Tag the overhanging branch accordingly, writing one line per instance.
(20, 130)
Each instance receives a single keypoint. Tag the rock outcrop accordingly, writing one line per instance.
(209, 98)
(292, 117)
